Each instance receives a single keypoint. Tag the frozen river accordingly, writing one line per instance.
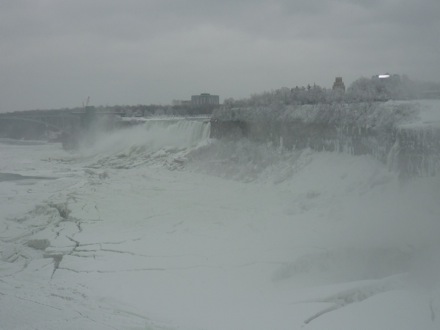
(159, 227)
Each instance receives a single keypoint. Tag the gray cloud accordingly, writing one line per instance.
(56, 53)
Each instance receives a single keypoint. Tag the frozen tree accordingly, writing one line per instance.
(362, 89)
(383, 88)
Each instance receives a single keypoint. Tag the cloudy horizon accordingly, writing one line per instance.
(57, 53)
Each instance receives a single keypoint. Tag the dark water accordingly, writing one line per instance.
(17, 177)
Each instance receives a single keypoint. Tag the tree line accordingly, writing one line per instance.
(372, 89)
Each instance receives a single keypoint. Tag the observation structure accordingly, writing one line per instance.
(338, 85)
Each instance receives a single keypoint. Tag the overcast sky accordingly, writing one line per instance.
(56, 53)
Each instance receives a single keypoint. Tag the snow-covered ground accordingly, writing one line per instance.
(428, 115)
(158, 227)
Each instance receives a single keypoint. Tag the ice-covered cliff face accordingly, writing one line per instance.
(404, 134)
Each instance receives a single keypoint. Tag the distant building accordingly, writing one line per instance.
(205, 99)
(338, 85)
(386, 76)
